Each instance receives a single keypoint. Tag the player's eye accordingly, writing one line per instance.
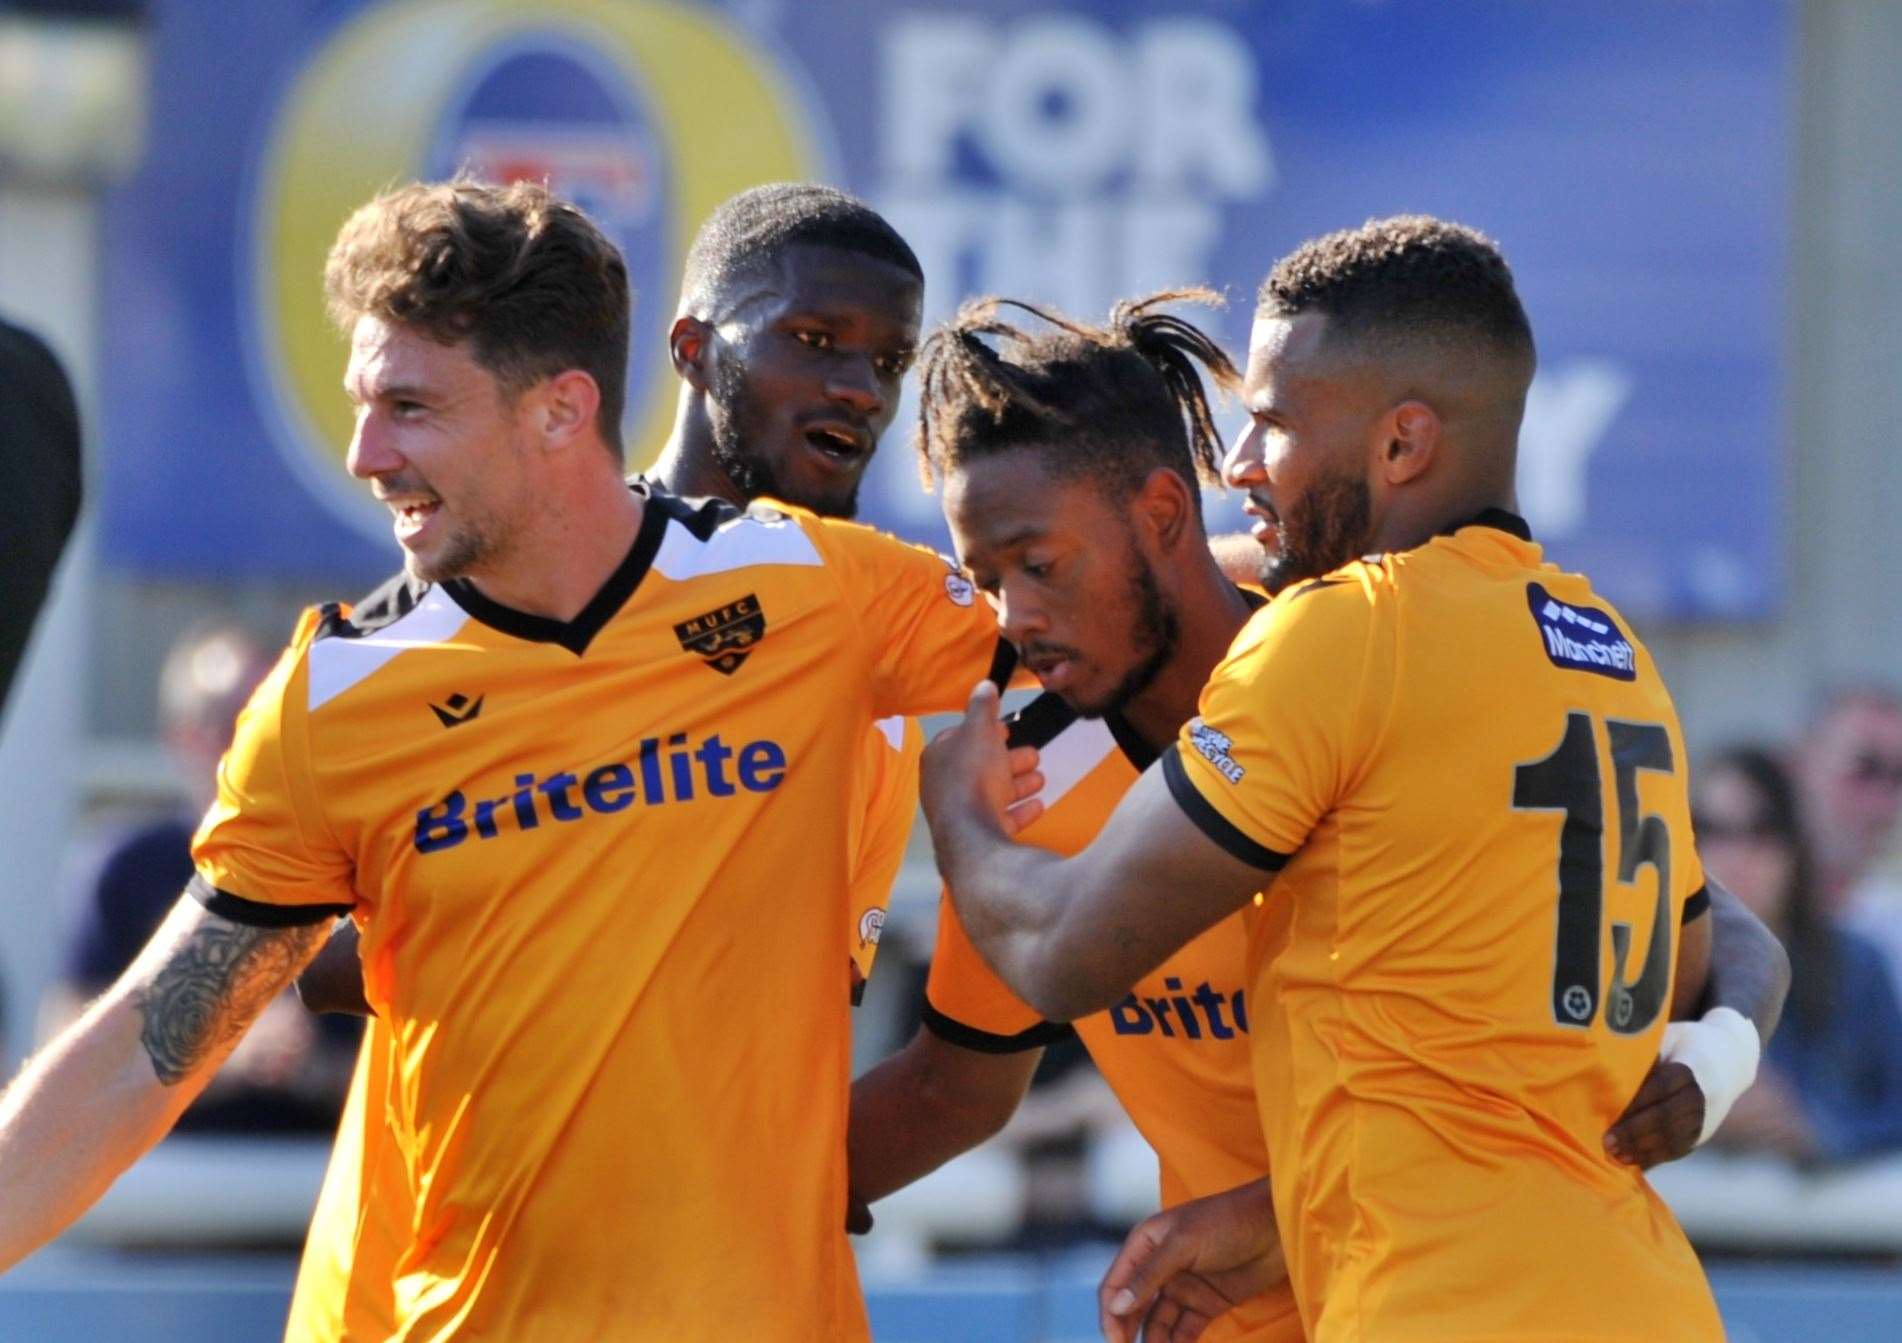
(818, 340)
(984, 583)
(894, 365)
(407, 410)
(1038, 568)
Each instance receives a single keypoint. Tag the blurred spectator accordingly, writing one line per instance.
(1068, 1110)
(1830, 1088)
(1849, 768)
(39, 460)
(289, 1072)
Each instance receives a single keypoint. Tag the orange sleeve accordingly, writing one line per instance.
(263, 853)
(927, 635)
(969, 1006)
(1286, 719)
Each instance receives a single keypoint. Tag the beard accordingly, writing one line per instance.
(739, 424)
(1320, 531)
(1154, 633)
(468, 542)
(459, 554)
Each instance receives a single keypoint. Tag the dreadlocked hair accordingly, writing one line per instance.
(1112, 402)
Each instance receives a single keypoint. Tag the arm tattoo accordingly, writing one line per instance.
(215, 984)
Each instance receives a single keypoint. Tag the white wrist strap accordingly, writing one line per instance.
(1721, 1050)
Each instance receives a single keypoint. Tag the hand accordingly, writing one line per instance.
(1181, 1269)
(1663, 1120)
(968, 773)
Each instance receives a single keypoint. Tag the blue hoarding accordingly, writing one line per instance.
(1630, 158)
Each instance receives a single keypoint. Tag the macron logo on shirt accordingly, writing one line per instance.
(1581, 638)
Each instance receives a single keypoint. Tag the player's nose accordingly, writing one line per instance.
(853, 382)
(1242, 464)
(372, 453)
(1018, 617)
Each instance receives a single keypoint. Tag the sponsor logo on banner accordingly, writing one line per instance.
(605, 100)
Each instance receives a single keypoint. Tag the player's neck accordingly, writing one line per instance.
(1411, 523)
(564, 555)
(1209, 612)
(687, 466)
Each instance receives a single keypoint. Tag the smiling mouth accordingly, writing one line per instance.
(413, 515)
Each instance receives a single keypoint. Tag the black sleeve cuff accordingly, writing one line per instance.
(256, 913)
(953, 1031)
(1210, 821)
(1697, 905)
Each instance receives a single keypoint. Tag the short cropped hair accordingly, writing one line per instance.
(526, 278)
(1406, 276)
(1108, 403)
(755, 227)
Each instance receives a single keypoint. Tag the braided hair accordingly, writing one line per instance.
(1112, 403)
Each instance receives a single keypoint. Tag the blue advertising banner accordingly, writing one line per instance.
(1630, 158)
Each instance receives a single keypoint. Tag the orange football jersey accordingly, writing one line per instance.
(601, 871)
(345, 1280)
(1472, 783)
(1175, 1050)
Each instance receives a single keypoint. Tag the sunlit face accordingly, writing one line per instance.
(1303, 458)
(806, 374)
(441, 446)
(1740, 844)
(1851, 768)
(1061, 565)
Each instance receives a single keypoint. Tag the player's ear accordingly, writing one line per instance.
(1164, 505)
(690, 346)
(1413, 442)
(566, 406)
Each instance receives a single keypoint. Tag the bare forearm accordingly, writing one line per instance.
(112, 1084)
(85, 1108)
(926, 1104)
(1069, 936)
(1012, 899)
(1749, 969)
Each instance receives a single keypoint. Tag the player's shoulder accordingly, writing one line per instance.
(698, 537)
(388, 603)
(850, 541)
(1341, 599)
(341, 645)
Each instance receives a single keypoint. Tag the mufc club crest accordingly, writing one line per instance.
(724, 637)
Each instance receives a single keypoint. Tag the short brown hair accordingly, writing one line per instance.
(526, 278)
(1408, 275)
